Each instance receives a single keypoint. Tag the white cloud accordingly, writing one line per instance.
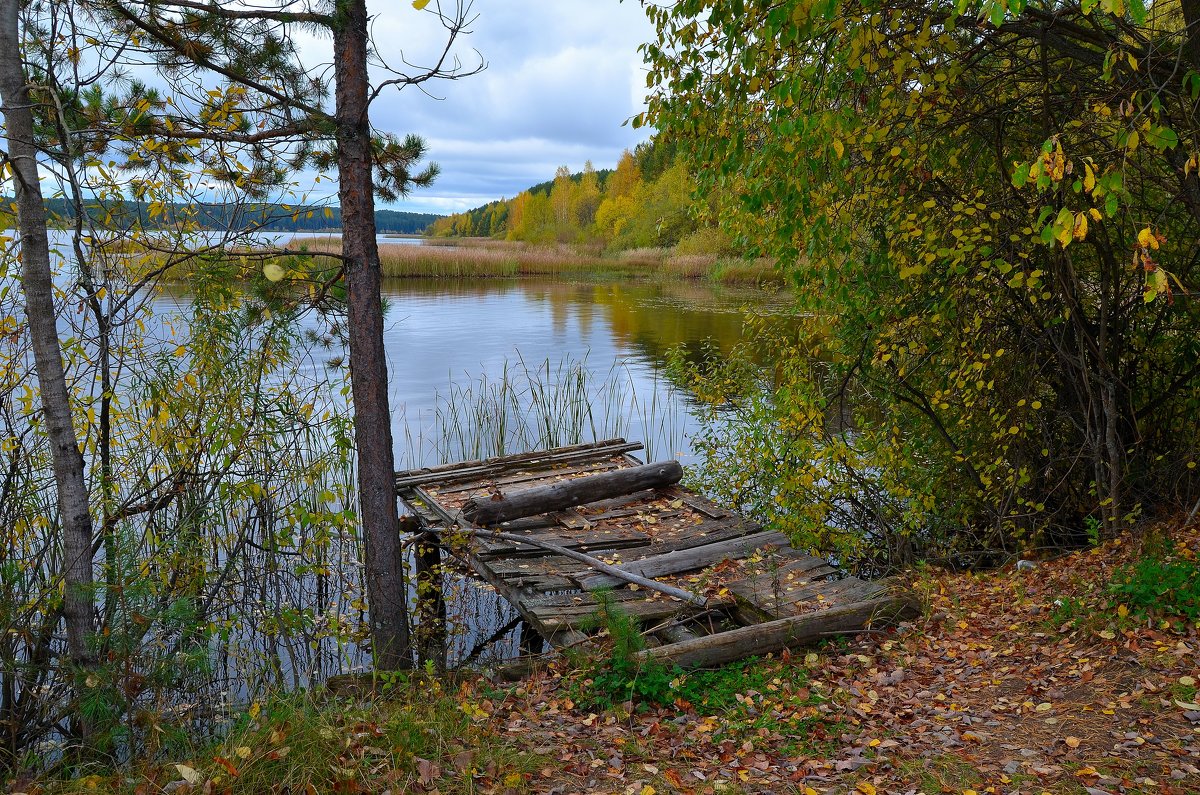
(561, 79)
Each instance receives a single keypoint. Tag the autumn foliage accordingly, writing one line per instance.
(989, 212)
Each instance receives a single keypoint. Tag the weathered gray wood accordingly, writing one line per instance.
(465, 470)
(772, 636)
(612, 538)
(596, 563)
(688, 559)
(569, 493)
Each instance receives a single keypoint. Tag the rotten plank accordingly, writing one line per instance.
(683, 560)
(482, 468)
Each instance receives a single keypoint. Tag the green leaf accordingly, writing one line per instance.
(997, 14)
(1137, 10)
(1020, 176)
(1161, 138)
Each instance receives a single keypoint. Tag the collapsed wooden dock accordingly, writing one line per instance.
(705, 584)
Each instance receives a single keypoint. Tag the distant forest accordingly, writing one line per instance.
(646, 201)
(268, 217)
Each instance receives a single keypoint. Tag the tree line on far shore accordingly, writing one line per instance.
(646, 201)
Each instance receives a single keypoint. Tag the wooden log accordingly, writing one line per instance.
(569, 493)
(688, 559)
(725, 647)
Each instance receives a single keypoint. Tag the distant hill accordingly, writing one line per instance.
(268, 217)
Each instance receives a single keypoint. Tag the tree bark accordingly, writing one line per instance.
(386, 588)
(37, 284)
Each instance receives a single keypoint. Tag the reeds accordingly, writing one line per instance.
(543, 406)
(483, 258)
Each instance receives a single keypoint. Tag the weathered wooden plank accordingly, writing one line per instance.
(604, 465)
(635, 498)
(582, 615)
(569, 493)
(797, 599)
(489, 546)
(683, 560)
(596, 563)
(792, 632)
(465, 470)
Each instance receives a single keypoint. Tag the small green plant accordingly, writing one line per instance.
(624, 675)
(1092, 526)
(1161, 583)
(1069, 611)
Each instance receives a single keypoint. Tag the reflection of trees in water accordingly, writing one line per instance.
(650, 318)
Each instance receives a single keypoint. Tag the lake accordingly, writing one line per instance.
(452, 343)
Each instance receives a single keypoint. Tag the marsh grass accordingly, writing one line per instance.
(481, 258)
(545, 405)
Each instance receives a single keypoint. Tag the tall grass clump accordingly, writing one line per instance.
(535, 407)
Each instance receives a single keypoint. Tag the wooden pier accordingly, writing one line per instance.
(714, 586)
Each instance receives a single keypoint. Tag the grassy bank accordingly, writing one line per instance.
(1076, 676)
(482, 258)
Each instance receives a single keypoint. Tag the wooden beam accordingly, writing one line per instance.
(485, 511)
(596, 563)
(688, 559)
(483, 468)
(725, 647)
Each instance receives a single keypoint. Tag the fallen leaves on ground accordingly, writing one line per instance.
(1015, 681)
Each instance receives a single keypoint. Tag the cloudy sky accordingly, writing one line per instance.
(561, 78)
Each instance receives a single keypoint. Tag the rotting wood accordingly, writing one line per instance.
(523, 475)
(772, 636)
(599, 565)
(485, 467)
(569, 493)
(595, 540)
(673, 532)
(688, 559)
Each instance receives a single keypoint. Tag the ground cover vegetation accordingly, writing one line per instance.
(989, 215)
(1048, 680)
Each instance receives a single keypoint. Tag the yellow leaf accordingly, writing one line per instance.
(839, 147)
(420, 4)
(273, 272)
(1081, 224)
(866, 788)
(1122, 611)
(190, 774)
(255, 708)
(1146, 239)
(243, 751)
(648, 790)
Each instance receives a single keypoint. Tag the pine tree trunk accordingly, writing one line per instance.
(37, 284)
(386, 588)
